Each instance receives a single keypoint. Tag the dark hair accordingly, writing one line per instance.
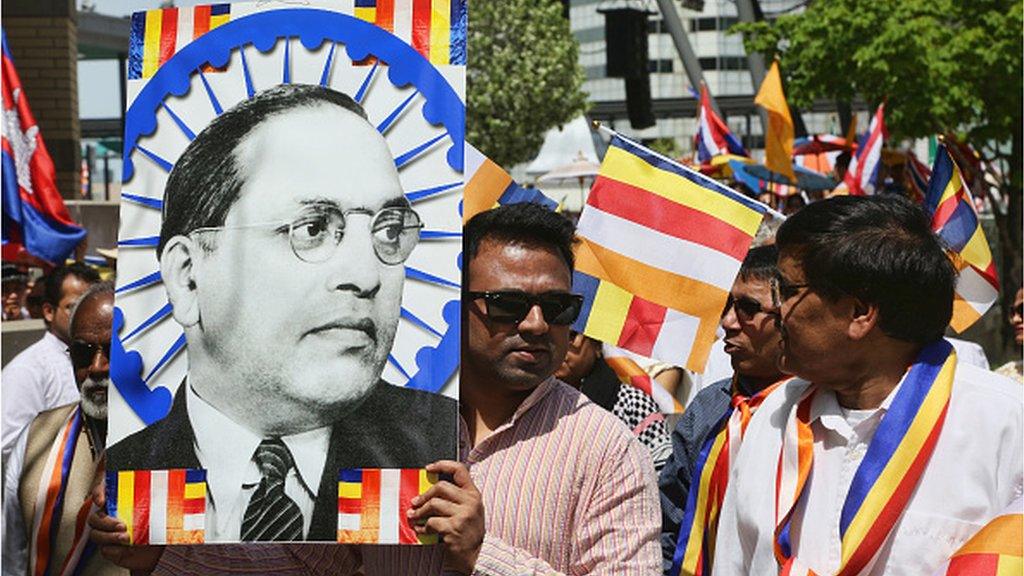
(206, 179)
(880, 249)
(55, 280)
(761, 263)
(527, 224)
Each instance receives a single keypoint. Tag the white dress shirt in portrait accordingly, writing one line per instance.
(225, 449)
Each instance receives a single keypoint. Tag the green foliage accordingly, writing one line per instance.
(664, 146)
(940, 65)
(523, 77)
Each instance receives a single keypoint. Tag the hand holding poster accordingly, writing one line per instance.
(288, 301)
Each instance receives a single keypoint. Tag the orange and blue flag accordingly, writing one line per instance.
(660, 246)
(488, 185)
(372, 503)
(36, 224)
(434, 28)
(158, 34)
(954, 220)
(159, 506)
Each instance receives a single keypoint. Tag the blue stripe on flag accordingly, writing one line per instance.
(136, 44)
(586, 285)
(351, 475)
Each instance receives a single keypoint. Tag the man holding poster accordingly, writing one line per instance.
(281, 247)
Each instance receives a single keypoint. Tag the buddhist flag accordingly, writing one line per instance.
(156, 35)
(434, 28)
(995, 550)
(372, 503)
(626, 366)
(778, 138)
(660, 246)
(488, 185)
(159, 506)
(953, 218)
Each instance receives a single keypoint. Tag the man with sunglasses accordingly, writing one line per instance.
(884, 455)
(752, 343)
(75, 434)
(284, 233)
(555, 484)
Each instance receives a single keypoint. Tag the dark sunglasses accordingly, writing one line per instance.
(746, 308)
(83, 353)
(511, 307)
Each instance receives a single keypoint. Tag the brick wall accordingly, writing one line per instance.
(42, 36)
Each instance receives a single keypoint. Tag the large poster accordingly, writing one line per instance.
(286, 333)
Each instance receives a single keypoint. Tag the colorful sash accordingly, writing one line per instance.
(50, 505)
(885, 479)
(995, 550)
(695, 545)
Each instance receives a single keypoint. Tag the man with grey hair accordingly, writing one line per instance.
(62, 443)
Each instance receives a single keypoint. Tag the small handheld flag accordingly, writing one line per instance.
(488, 185)
(159, 506)
(996, 549)
(372, 503)
(862, 173)
(35, 221)
(713, 137)
(953, 218)
(660, 246)
(778, 138)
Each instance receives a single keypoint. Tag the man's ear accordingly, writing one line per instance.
(49, 311)
(177, 269)
(864, 316)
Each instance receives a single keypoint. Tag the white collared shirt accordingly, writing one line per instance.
(225, 449)
(39, 379)
(975, 471)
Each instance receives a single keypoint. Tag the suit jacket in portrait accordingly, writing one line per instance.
(395, 427)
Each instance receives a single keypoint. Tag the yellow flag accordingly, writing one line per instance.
(778, 138)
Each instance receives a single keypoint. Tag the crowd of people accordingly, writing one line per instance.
(850, 436)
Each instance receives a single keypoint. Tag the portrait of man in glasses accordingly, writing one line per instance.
(284, 233)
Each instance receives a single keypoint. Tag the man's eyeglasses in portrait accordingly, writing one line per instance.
(316, 232)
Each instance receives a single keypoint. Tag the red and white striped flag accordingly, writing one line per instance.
(159, 506)
(862, 173)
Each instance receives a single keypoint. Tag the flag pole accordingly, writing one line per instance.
(608, 131)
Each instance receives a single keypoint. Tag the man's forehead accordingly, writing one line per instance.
(511, 263)
(94, 318)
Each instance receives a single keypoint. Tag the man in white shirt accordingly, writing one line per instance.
(865, 293)
(41, 377)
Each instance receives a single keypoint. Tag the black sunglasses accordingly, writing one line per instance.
(511, 307)
(746, 308)
(83, 353)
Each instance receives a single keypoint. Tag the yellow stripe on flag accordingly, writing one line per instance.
(1010, 566)
(630, 169)
(427, 480)
(218, 19)
(350, 490)
(976, 251)
(440, 32)
(151, 44)
(608, 312)
(126, 497)
(195, 490)
(367, 14)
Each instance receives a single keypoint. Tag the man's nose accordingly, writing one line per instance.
(533, 322)
(100, 365)
(729, 319)
(354, 265)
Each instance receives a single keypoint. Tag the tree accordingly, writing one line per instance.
(524, 77)
(941, 66)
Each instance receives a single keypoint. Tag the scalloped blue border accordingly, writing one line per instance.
(312, 27)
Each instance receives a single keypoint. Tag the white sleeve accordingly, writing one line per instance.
(15, 537)
(23, 400)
